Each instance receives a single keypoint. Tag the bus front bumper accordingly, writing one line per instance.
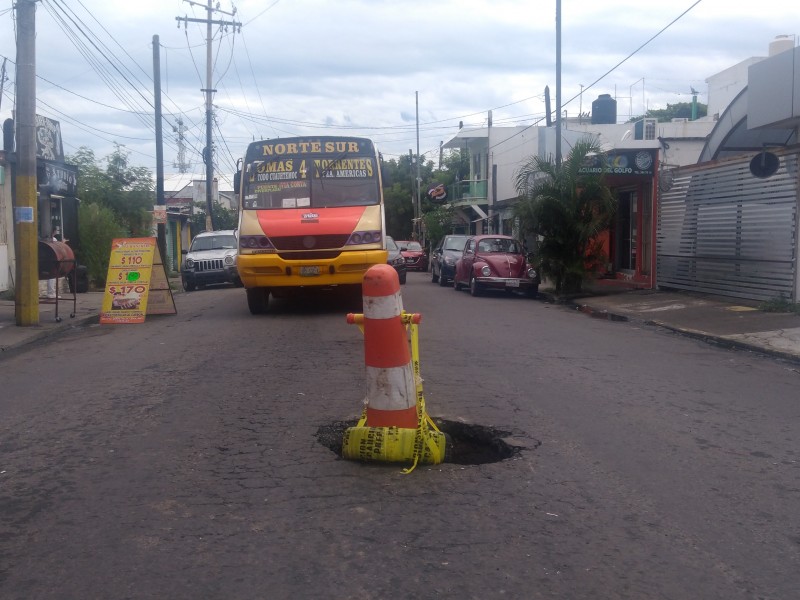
(271, 271)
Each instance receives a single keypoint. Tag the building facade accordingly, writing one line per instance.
(696, 207)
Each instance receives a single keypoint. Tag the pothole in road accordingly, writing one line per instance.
(467, 444)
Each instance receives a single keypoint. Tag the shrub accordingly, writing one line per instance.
(780, 305)
(98, 227)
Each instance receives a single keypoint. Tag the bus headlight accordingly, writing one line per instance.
(255, 242)
(364, 237)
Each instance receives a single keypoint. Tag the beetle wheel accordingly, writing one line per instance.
(474, 287)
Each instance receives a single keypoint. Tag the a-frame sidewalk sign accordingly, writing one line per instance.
(136, 284)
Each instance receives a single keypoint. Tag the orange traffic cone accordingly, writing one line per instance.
(394, 425)
(391, 390)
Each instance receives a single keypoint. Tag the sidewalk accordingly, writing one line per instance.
(723, 321)
(86, 309)
(726, 322)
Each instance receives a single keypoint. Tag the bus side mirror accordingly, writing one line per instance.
(237, 182)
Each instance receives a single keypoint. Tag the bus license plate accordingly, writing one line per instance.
(512, 283)
(309, 271)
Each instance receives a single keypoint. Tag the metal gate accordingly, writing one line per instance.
(723, 231)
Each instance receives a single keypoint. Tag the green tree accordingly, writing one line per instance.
(437, 215)
(679, 110)
(399, 211)
(399, 193)
(567, 210)
(127, 191)
(116, 200)
(438, 223)
(97, 227)
(223, 217)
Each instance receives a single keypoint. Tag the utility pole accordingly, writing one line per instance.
(26, 297)
(162, 227)
(490, 173)
(558, 82)
(413, 197)
(419, 178)
(2, 81)
(208, 154)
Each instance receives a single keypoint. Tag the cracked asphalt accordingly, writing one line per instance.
(180, 459)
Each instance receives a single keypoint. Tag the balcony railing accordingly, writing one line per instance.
(468, 191)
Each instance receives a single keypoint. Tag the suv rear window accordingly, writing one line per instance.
(213, 242)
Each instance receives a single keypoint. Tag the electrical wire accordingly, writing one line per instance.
(611, 70)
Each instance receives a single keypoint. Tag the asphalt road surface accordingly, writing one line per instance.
(180, 459)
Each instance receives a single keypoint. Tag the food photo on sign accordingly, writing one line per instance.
(126, 300)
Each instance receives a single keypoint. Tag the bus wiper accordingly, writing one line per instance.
(331, 164)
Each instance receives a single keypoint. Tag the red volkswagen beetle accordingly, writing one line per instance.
(495, 262)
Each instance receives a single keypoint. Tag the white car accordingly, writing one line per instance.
(211, 259)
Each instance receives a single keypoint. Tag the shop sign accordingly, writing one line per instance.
(622, 163)
(48, 139)
(57, 178)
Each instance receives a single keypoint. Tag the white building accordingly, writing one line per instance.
(646, 152)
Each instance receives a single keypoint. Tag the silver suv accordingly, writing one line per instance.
(211, 259)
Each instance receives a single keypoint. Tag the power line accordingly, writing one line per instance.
(611, 70)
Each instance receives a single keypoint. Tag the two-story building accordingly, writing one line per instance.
(647, 172)
(635, 152)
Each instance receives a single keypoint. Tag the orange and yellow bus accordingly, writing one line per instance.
(311, 215)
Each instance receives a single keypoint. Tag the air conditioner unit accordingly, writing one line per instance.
(645, 129)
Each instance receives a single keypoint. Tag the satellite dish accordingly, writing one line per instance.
(665, 181)
(764, 164)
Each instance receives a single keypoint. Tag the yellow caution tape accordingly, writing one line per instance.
(393, 444)
(424, 444)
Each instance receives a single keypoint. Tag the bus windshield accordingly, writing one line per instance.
(311, 175)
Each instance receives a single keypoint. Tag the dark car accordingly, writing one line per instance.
(443, 259)
(415, 255)
(210, 259)
(495, 262)
(396, 259)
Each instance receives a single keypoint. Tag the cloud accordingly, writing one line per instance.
(353, 67)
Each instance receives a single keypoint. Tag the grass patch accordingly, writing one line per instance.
(780, 305)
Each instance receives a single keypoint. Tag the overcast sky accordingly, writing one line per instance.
(353, 66)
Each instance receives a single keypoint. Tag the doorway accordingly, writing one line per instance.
(626, 230)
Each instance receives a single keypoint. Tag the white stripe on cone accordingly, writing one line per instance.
(383, 307)
(391, 389)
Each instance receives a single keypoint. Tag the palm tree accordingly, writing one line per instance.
(567, 208)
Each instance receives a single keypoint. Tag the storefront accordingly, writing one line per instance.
(631, 176)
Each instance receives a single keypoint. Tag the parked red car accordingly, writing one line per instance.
(495, 262)
(415, 255)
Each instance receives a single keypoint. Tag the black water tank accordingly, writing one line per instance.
(604, 110)
(8, 135)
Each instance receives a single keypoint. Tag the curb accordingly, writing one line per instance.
(722, 342)
(47, 333)
(703, 336)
